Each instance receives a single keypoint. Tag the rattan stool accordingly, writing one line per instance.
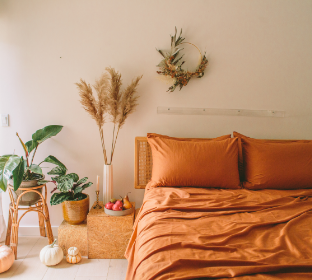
(13, 222)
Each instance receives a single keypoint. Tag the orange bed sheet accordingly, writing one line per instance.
(195, 233)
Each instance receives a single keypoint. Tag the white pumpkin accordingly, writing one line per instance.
(74, 255)
(51, 254)
(6, 258)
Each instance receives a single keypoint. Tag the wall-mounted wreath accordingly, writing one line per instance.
(171, 64)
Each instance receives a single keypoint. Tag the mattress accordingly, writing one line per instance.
(197, 233)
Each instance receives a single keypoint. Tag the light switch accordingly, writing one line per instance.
(4, 120)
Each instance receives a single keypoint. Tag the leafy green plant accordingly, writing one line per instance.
(23, 169)
(69, 185)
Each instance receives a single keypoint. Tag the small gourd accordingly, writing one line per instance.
(73, 255)
(6, 258)
(51, 254)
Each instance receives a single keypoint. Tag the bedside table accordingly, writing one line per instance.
(108, 236)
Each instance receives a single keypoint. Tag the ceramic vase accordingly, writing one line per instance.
(107, 183)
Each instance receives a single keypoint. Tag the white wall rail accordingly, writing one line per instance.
(216, 111)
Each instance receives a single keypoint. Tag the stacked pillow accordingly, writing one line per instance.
(226, 162)
(275, 164)
(194, 162)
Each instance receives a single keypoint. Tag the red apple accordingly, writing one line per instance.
(109, 205)
(117, 207)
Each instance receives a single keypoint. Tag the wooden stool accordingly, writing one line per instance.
(13, 222)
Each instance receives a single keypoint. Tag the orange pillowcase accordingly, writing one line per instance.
(194, 163)
(150, 135)
(275, 164)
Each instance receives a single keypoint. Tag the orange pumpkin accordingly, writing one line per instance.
(6, 258)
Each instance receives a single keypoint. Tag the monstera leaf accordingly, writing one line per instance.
(8, 163)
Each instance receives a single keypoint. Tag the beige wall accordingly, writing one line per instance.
(260, 57)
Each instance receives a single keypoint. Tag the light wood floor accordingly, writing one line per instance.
(28, 265)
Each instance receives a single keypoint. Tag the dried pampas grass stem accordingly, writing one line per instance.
(111, 101)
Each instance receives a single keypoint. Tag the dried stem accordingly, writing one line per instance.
(103, 144)
(110, 100)
(113, 146)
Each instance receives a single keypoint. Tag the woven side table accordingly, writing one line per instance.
(108, 236)
(40, 207)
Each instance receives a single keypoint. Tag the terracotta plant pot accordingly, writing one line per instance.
(29, 198)
(75, 212)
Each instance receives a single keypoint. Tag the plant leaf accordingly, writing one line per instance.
(41, 182)
(35, 169)
(161, 52)
(80, 196)
(45, 133)
(7, 164)
(87, 185)
(82, 181)
(78, 190)
(58, 198)
(18, 173)
(58, 170)
(65, 184)
(24, 147)
(30, 145)
(54, 160)
(73, 176)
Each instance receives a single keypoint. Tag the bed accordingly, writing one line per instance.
(210, 232)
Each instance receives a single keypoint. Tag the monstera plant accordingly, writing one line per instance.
(23, 169)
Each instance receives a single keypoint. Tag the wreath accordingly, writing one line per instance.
(171, 64)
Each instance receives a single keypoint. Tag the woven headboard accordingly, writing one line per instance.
(143, 163)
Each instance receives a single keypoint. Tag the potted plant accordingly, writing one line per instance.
(22, 172)
(75, 203)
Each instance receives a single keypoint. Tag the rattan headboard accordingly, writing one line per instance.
(143, 162)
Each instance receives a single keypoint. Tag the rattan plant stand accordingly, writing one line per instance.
(40, 207)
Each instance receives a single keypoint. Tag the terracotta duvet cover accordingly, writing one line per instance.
(196, 233)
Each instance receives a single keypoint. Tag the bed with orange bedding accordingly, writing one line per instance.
(245, 211)
(207, 233)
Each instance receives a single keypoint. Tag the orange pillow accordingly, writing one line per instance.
(210, 163)
(189, 139)
(277, 164)
(241, 140)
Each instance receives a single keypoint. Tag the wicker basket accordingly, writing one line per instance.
(29, 198)
(75, 212)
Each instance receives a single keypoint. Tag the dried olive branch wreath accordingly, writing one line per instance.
(171, 64)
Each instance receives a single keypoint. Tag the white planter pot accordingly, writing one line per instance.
(107, 183)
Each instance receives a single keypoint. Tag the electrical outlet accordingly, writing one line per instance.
(4, 120)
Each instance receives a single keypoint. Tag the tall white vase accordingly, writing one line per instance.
(107, 183)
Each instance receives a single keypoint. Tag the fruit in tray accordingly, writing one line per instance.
(126, 202)
(109, 205)
(119, 204)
